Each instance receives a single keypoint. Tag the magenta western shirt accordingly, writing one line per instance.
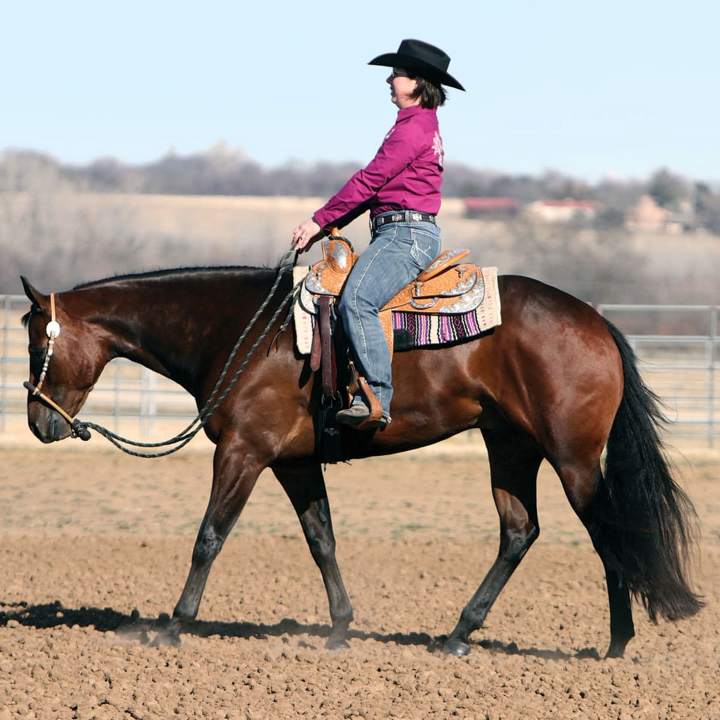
(406, 173)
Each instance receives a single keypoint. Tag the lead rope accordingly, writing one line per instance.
(82, 429)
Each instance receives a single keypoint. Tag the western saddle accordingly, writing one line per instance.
(444, 287)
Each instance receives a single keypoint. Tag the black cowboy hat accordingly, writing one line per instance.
(425, 59)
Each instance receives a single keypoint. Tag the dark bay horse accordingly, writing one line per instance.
(555, 381)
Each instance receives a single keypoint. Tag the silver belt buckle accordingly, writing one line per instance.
(417, 217)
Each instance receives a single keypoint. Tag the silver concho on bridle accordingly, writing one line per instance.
(52, 330)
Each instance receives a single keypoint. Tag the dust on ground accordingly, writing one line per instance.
(88, 536)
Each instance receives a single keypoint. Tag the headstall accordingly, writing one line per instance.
(52, 330)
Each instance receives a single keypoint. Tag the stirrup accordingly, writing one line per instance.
(354, 415)
(358, 416)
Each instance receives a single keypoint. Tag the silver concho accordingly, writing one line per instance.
(52, 329)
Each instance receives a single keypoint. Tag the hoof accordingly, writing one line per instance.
(616, 650)
(458, 648)
(339, 643)
(168, 631)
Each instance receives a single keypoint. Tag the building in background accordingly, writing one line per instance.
(491, 208)
(647, 216)
(561, 211)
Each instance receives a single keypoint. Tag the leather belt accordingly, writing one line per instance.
(402, 216)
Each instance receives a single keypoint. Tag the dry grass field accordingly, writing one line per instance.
(64, 238)
(89, 536)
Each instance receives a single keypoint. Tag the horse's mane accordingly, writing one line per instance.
(169, 272)
(165, 272)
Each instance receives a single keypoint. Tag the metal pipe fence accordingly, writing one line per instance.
(679, 358)
(678, 349)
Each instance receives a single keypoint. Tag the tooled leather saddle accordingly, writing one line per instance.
(446, 286)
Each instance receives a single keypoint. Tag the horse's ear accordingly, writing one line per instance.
(35, 296)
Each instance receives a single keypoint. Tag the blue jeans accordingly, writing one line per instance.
(398, 252)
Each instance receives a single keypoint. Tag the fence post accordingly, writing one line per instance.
(4, 362)
(711, 374)
(116, 399)
(148, 402)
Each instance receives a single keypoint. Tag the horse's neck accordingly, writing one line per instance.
(169, 337)
(177, 325)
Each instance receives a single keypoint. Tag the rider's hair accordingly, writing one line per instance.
(430, 94)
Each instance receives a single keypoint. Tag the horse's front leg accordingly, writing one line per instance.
(305, 486)
(235, 471)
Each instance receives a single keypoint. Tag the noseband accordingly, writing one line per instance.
(52, 330)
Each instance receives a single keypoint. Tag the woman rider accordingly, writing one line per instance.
(401, 187)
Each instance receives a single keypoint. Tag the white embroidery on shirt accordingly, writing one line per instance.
(437, 147)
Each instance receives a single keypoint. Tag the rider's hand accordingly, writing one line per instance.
(304, 233)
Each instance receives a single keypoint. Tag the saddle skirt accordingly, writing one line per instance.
(448, 301)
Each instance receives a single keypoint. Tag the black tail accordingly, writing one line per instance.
(644, 520)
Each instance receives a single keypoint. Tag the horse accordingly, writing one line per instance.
(555, 381)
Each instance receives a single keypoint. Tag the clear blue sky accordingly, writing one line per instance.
(588, 88)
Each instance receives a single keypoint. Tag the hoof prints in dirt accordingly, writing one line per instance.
(406, 562)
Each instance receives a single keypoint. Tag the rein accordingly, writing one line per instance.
(81, 429)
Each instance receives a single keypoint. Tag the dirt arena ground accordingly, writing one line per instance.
(89, 535)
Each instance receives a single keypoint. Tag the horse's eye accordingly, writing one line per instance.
(37, 357)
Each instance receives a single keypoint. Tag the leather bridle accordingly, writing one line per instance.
(52, 330)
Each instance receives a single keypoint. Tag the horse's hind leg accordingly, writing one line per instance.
(582, 483)
(305, 486)
(514, 462)
(234, 474)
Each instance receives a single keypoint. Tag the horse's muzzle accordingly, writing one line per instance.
(48, 426)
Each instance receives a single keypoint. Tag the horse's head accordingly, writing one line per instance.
(79, 353)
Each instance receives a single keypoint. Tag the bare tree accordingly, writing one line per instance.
(668, 190)
(595, 266)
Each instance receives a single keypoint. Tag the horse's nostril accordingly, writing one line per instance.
(57, 428)
(38, 433)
